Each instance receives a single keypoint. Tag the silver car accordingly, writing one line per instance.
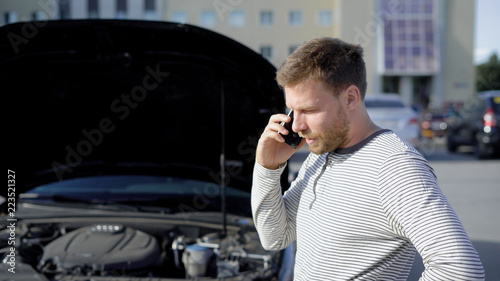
(390, 112)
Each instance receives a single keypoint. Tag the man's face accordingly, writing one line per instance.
(318, 116)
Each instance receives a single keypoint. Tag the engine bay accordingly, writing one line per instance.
(107, 250)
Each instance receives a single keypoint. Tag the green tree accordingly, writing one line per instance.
(488, 75)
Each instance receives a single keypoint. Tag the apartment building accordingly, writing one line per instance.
(23, 10)
(273, 28)
(421, 49)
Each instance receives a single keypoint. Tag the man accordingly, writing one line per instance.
(364, 199)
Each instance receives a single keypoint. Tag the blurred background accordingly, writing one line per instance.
(435, 55)
(438, 57)
(425, 50)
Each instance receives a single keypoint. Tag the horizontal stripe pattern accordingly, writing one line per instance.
(360, 215)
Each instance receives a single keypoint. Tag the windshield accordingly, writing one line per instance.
(142, 190)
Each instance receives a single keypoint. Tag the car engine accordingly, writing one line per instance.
(116, 251)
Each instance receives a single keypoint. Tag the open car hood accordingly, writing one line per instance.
(108, 97)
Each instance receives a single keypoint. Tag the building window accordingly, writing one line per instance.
(237, 18)
(409, 38)
(292, 49)
(266, 51)
(266, 18)
(325, 18)
(64, 9)
(39, 16)
(295, 18)
(150, 12)
(208, 18)
(9, 17)
(179, 16)
(93, 9)
(121, 9)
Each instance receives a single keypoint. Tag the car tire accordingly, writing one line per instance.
(451, 145)
(481, 150)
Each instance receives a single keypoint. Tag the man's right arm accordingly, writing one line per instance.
(274, 216)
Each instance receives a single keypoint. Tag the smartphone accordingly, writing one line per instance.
(292, 139)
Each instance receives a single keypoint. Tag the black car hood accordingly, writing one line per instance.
(106, 96)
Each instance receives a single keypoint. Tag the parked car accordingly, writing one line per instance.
(433, 125)
(476, 123)
(389, 111)
(130, 149)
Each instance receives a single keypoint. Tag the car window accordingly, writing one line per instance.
(383, 104)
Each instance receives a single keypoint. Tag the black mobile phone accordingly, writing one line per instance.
(292, 138)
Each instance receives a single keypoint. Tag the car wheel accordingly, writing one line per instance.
(481, 150)
(451, 145)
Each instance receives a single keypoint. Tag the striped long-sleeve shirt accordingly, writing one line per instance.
(359, 213)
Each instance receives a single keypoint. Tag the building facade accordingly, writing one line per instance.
(421, 49)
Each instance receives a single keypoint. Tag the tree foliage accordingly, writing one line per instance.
(488, 75)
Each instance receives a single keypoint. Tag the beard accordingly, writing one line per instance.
(331, 135)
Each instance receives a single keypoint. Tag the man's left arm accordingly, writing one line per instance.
(417, 209)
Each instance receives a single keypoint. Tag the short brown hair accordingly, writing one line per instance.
(334, 62)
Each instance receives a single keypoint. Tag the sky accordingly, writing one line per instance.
(487, 27)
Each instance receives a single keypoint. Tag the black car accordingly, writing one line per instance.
(476, 123)
(130, 149)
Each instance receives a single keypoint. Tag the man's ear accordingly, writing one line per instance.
(352, 97)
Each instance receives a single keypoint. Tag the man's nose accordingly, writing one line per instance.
(298, 124)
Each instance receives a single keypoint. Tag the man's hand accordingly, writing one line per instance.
(272, 150)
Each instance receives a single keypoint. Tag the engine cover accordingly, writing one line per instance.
(102, 247)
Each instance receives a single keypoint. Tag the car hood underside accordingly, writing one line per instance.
(109, 96)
